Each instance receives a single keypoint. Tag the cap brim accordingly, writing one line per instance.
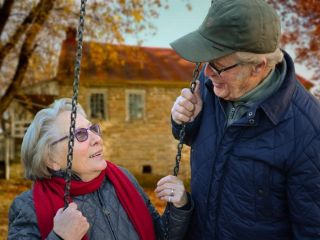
(195, 48)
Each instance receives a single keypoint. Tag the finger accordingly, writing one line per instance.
(176, 187)
(170, 199)
(166, 179)
(86, 225)
(166, 188)
(72, 205)
(78, 213)
(162, 189)
(192, 96)
(59, 212)
(180, 118)
(168, 192)
(170, 189)
(184, 111)
(84, 220)
(186, 93)
(186, 104)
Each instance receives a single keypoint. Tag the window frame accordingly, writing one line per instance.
(105, 99)
(140, 92)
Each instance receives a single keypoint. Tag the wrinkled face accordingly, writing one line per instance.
(232, 83)
(88, 160)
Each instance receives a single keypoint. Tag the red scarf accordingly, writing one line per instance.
(48, 198)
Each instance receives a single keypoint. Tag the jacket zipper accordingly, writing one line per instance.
(107, 214)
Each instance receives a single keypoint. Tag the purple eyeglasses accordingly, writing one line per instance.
(81, 134)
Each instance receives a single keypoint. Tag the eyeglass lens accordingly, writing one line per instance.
(81, 134)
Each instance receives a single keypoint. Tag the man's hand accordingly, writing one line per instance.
(187, 106)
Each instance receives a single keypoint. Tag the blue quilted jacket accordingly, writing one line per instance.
(258, 179)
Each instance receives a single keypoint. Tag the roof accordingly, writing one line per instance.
(106, 63)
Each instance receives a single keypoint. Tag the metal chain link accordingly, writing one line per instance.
(182, 134)
(74, 103)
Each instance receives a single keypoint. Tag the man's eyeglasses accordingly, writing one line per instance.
(81, 134)
(219, 71)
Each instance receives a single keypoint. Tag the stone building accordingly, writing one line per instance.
(129, 90)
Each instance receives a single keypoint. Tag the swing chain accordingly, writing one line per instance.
(182, 134)
(74, 103)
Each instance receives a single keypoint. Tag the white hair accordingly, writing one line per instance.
(272, 58)
(36, 146)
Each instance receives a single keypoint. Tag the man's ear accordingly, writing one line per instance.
(259, 68)
(52, 164)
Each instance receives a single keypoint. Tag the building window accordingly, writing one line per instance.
(97, 106)
(135, 104)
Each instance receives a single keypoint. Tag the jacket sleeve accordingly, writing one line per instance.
(178, 217)
(23, 221)
(304, 193)
(174, 220)
(190, 130)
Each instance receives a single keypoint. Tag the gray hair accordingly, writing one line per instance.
(36, 146)
(272, 58)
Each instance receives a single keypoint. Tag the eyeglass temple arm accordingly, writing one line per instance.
(59, 140)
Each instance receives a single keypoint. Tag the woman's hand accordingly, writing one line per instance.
(70, 224)
(171, 189)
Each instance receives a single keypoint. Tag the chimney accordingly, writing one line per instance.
(71, 35)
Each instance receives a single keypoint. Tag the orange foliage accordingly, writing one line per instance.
(9, 190)
(302, 30)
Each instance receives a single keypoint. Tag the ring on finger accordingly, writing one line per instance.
(172, 192)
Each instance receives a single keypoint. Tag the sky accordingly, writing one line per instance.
(175, 22)
(178, 21)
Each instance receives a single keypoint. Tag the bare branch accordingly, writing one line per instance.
(5, 13)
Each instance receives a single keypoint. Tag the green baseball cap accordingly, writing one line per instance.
(230, 26)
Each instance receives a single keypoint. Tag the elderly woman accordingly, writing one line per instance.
(107, 202)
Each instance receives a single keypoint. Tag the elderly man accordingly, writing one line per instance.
(253, 129)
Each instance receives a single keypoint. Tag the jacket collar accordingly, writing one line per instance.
(277, 104)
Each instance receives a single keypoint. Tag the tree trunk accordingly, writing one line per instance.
(39, 9)
(25, 53)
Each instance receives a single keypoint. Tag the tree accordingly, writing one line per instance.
(302, 30)
(30, 27)
(31, 31)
